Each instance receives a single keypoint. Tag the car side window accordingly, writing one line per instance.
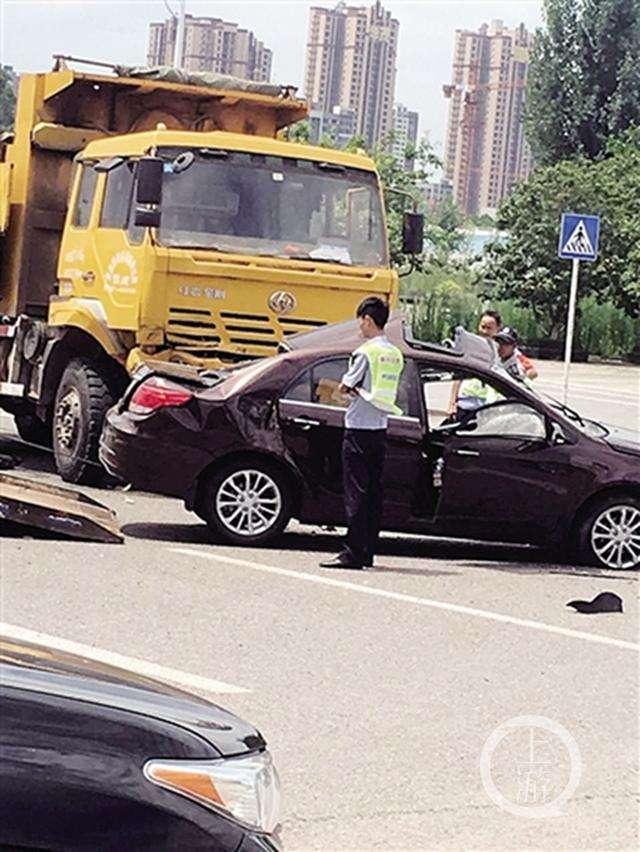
(321, 384)
(84, 199)
(300, 389)
(506, 420)
(325, 383)
(456, 393)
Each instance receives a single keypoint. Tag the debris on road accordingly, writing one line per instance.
(604, 602)
(58, 510)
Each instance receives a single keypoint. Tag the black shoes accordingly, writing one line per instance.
(344, 563)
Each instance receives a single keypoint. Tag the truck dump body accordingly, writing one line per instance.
(58, 114)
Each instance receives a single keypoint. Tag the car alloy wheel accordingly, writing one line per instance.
(248, 502)
(615, 536)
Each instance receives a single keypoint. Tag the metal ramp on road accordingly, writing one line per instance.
(57, 510)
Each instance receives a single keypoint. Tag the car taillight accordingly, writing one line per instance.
(157, 393)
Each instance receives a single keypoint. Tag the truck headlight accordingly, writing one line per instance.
(246, 788)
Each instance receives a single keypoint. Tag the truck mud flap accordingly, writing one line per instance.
(57, 510)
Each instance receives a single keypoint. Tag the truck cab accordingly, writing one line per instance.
(255, 240)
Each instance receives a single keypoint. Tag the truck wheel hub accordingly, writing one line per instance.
(68, 418)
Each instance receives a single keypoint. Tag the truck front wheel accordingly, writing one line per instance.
(82, 400)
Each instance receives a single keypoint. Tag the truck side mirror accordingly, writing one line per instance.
(412, 233)
(149, 180)
(146, 217)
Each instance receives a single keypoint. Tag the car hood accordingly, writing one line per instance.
(40, 668)
(623, 440)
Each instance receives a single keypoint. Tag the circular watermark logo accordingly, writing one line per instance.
(531, 766)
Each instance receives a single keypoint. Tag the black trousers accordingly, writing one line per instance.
(363, 452)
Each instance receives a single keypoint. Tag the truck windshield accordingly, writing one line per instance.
(273, 206)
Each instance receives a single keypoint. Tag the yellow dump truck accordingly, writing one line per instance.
(145, 213)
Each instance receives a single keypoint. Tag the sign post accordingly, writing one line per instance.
(579, 235)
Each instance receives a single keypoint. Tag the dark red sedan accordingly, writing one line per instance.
(250, 447)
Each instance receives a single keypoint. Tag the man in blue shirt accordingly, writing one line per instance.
(372, 383)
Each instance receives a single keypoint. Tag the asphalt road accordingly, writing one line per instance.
(379, 692)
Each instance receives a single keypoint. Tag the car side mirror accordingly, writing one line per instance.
(556, 435)
(412, 233)
(146, 217)
(149, 180)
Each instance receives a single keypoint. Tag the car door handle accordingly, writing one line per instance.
(89, 277)
(305, 422)
(465, 452)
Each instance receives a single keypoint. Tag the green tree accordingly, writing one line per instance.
(584, 78)
(443, 231)
(397, 184)
(299, 132)
(7, 100)
(526, 267)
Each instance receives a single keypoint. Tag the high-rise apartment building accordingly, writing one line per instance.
(485, 148)
(437, 192)
(339, 125)
(405, 135)
(351, 64)
(211, 44)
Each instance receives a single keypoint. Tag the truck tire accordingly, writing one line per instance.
(33, 430)
(82, 400)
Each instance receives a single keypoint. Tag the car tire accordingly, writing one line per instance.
(243, 493)
(33, 430)
(82, 400)
(598, 542)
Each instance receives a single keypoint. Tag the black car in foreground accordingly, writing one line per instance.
(97, 758)
(250, 447)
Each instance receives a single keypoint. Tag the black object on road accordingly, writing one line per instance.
(604, 602)
(97, 757)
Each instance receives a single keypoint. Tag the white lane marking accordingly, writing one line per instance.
(579, 402)
(412, 599)
(110, 658)
(594, 394)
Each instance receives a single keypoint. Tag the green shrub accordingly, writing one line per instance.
(604, 330)
(437, 301)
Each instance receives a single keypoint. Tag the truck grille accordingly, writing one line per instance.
(249, 329)
(293, 325)
(192, 331)
(197, 332)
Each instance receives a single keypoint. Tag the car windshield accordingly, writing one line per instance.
(590, 427)
(272, 206)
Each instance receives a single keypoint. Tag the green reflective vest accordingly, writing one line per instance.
(385, 365)
(476, 389)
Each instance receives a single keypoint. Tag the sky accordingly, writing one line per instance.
(31, 31)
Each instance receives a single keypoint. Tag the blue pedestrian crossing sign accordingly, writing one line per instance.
(579, 235)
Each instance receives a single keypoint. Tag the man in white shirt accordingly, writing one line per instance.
(372, 382)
